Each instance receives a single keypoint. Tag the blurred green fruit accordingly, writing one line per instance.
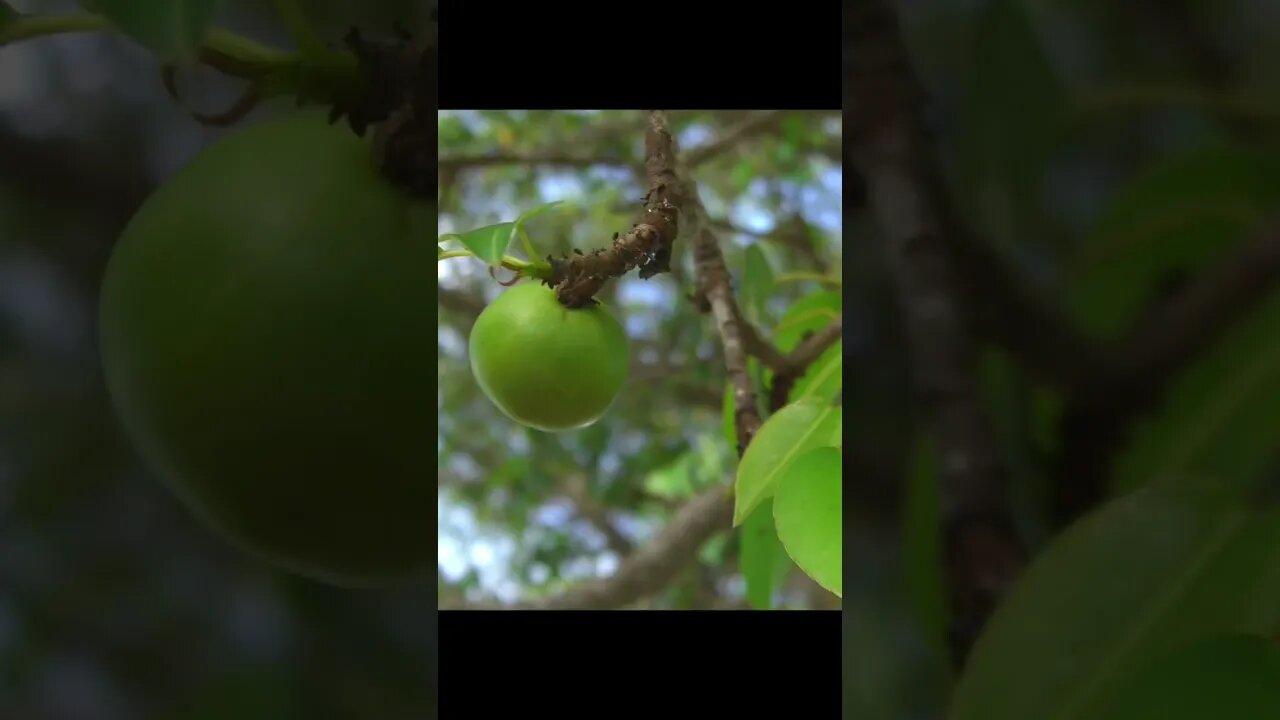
(267, 342)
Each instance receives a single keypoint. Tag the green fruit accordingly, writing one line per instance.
(266, 339)
(544, 365)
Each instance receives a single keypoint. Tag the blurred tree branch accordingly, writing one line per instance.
(644, 572)
(793, 234)
(728, 138)
(1159, 345)
(464, 303)
(578, 491)
(1006, 308)
(454, 163)
(756, 124)
(1194, 44)
(1182, 326)
(983, 554)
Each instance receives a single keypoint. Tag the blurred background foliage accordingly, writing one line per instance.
(1112, 153)
(114, 602)
(525, 514)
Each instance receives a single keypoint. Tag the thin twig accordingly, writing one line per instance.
(1168, 337)
(466, 304)
(595, 513)
(758, 346)
(715, 293)
(752, 126)
(810, 348)
(468, 161)
(647, 570)
(1008, 309)
(1189, 321)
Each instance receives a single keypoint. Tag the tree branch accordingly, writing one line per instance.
(647, 570)
(810, 348)
(982, 552)
(1191, 320)
(758, 346)
(1193, 44)
(589, 509)
(714, 293)
(647, 245)
(793, 366)
(1020, 317)
(754, 125)
(463, 303)
(1161, 344)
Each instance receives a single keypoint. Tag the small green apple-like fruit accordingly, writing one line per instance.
(544, 365)
(266, 339)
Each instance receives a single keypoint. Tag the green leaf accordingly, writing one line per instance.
(173, 29)
(922, 544)
(784, 154)
(673, 479)
(1225, 677)
(1173, 219)
(1168, 564)
(823, 377)
(510, 472)
(763, 560)
(743, 173)
(785, 436)
(1016, 107)
(534, 212)
(707, 462)
(712, 551)
(1221, 414)
(490, 242)
(808, 512)
(452, 133)
(836, 439)
(7, 13)
(758, 282)
(794, 128)
(810, 313)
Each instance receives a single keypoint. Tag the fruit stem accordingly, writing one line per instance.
(527, 268)
(524, 239)
(25, 27)
(540, 270)
(295, 20)
(246, 51)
